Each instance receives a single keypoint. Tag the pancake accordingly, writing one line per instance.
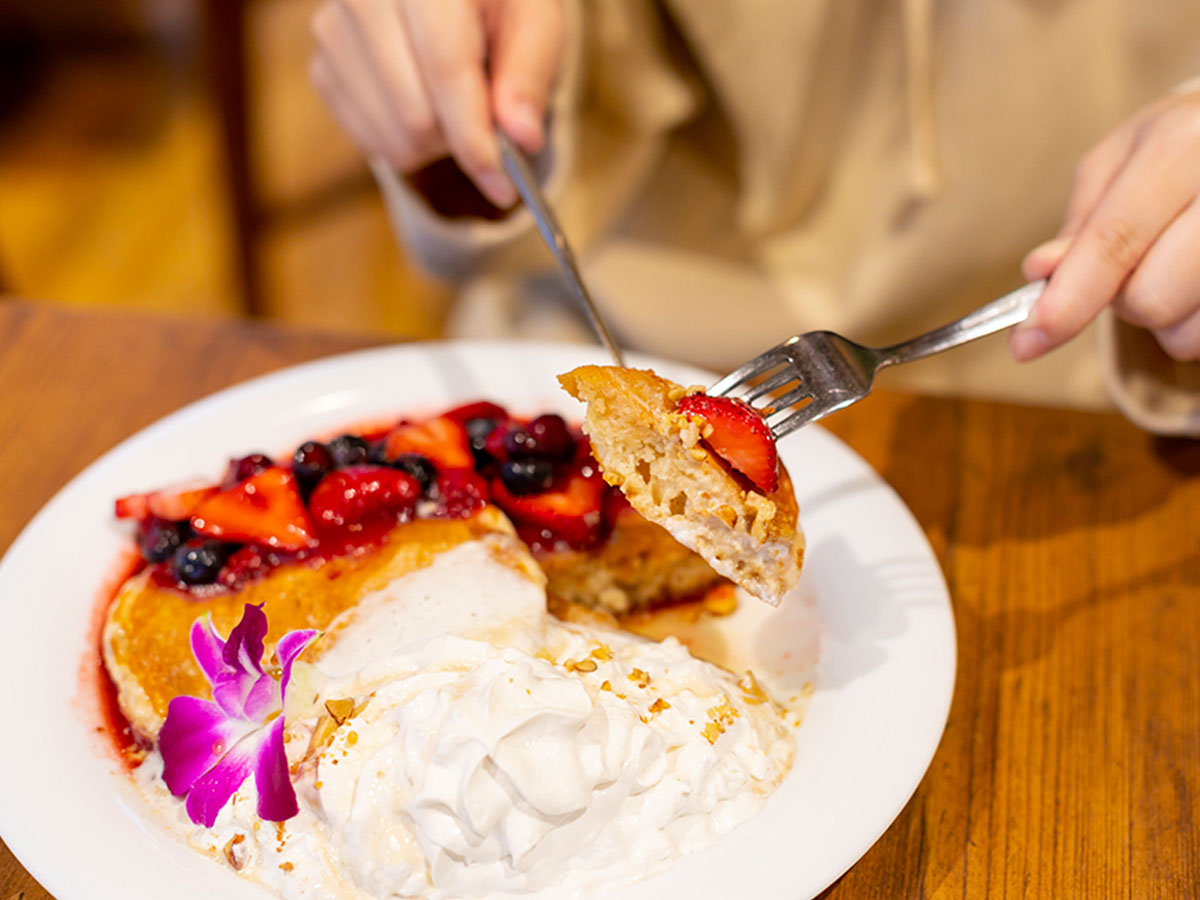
(639, 567)
(656, 456)
(145, 641)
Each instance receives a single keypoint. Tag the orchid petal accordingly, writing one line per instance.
(276, 796)
(212, 790)
(233, 694)
(289, 647)
(264, 698)
(208, 648)
(244, 649)
(195, 736)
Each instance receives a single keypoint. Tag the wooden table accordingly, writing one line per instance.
(1070, 766)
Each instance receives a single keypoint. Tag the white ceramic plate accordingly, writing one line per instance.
(884, 680)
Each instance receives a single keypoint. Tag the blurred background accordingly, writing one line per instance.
(148, 160)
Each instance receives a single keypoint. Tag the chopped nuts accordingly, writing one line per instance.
(752, 689)
(606, 685)
(341, 709)
(658, 706)
(322, 734)
(602, 653)
(580, 665)
(286, 866)
(236, 855)
(640, 677)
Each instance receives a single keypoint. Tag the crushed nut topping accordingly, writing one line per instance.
(233, 853)
(580, 665)
(602, 653)
(752, 689)
(658, 706)
(340, 709)
(640, 677)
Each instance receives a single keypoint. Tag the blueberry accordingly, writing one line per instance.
(159, 538)
(348, 450)
(549, 438)
(477, 433)
(310, 463)
(199, 562)
(518, 443)
(377, 454)
(418, 467)
(527, 476)
(246, 467)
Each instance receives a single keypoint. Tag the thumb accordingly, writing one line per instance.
(525, 51)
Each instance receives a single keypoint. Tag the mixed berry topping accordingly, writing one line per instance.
(246, 467)
(310, 463)
(346, 495)
(348, 450)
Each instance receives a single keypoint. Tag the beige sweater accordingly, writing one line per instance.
(734, 173)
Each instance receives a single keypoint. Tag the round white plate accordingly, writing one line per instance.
(883, 683)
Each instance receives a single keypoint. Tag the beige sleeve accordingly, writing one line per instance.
(618, 95)
(1153, 391)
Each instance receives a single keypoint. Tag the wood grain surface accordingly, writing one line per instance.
(1070, 766)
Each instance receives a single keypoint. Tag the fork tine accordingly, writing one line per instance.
(738, 378)
(792, 397)
(797, 419)
(774, 383)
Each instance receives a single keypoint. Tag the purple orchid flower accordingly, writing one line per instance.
(210, 747)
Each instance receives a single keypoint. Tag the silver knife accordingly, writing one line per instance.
(526, 184)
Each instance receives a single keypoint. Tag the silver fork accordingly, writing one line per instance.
(811, 375)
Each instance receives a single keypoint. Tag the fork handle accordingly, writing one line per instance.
(1009, 310)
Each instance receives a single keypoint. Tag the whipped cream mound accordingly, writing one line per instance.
(501, 753)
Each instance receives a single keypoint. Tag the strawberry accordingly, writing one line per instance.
(358, 493)
(442, 440)
(460, 492)
(264, 509)
(570, 511)
(739, 436)
(173, 504)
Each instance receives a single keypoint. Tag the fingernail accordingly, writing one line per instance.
(498, 189)
(528, 123)
(1028, 343)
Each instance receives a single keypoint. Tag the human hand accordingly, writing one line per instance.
(1131, 237)
(414, 80)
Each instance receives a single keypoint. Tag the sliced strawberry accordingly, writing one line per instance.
(571, 511)
(173, 504)
(443, 441)
(264, 509)
(739, 436)
(481, 409)
(460, 492)
(359, 493)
